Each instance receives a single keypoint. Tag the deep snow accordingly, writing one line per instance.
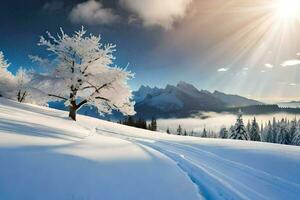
(43, 155)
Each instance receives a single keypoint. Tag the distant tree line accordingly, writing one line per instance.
(264, 109)
(282, 131)
(183, 132)
(139, 122)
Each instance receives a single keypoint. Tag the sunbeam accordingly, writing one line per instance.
(288, 9)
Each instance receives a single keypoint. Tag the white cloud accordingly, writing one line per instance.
(245, 68)
(262, 71)
(162, 13)
(223, 69)
(284, 83)
(270, 66)
(53, 5)
(290, 63)
(92, 12)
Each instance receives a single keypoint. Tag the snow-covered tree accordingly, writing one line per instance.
(192, 133)
(292, 131)
(204, 133)
(296, 139)
(6, 78)
(254, 131)
(239, 132)
(248, 127)
(223, 133)
(268, 133)
(83, 74)
(275, 130)
(179, 130)
(282, 137)
(3, 63)
(22, 87)
(24, 91)
(153, 124)
(231, 130)
(185, 133)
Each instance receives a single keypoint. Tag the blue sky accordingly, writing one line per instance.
(235, 46)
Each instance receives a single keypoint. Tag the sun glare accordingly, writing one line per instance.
(288, 9)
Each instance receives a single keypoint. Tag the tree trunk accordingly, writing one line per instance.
(72, 111)
(19, 96)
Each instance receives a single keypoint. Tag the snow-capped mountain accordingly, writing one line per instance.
(143, 91)
(184, 99)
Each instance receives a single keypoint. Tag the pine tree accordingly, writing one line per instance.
(141, 123)
(275, 128)
(153, 124)
(204, 133)
(192, 133)
(185, 133)
(231, 130)
(248, 127)
(179, 130)
(292, 132)
(239, 132)
(269, 133)
(7, 82)
(254, 131)
(282, 137)
(168, 131)
(130, 121)
(223, 133)
(296, 139)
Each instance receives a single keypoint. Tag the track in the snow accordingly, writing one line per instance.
(215, 176)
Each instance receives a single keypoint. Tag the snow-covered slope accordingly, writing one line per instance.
(228, 169)
(43, 155)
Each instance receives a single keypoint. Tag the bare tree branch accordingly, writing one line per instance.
(81, 104)
(23, 96)
(89, 62)
(52, 95)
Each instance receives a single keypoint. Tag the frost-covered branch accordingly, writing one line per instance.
(3, 63)
(17, 87)
(83, 72)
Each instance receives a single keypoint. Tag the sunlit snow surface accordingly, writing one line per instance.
(43, 155)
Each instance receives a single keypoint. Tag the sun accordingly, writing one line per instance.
(288, 9)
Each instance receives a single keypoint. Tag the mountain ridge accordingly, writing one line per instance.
(184, 99)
